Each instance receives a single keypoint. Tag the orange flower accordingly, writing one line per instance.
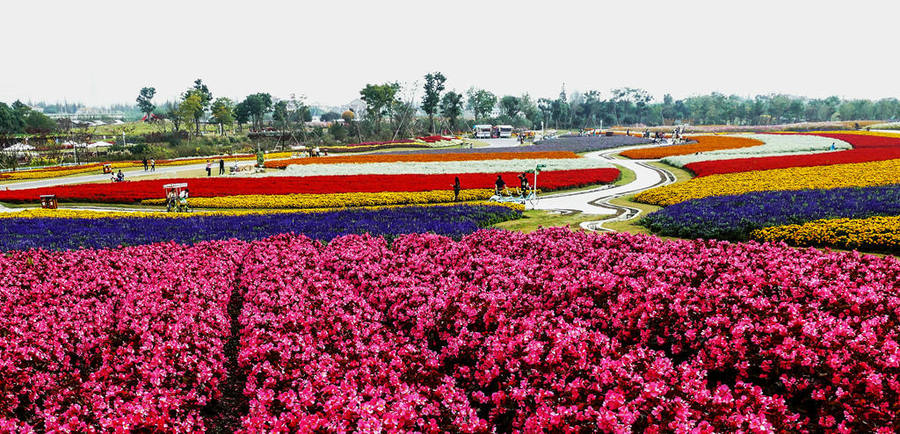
(704, 143)
(549, 155)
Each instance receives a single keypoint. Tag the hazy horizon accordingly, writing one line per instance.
(103, 52)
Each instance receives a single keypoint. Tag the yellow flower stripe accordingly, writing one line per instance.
(794, 178)
(78, 213)
(330, 200)
(873, 233)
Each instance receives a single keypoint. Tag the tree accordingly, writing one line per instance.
(37, 122)
(205, 97)
(258, 105)
(329, 116)
(510, 106)
(380, 100)
(223, 113)
(144, 101)
(452, 107)
(545, 106)
(481, 102)
(188, 109)
(242, 114)
(434, 85)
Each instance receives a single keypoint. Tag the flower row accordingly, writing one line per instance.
(880, 233)
(332, 200)
(735, 217)
(444, 167)
(576, 144)
(59, 171)
(556, 331)
(393, 158)
(703, 144)
(774, 145)
(498, 332)
(798, 178)
(93, 232)
(125, 340)
(866, 148)
(135, 191)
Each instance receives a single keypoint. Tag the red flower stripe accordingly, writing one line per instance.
(865, 149)
(135, 191)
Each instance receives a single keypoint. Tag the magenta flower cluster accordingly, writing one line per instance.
(549, 331)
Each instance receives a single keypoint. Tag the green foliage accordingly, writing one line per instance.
(257, 105)
(329, 116)
(510, 106)
(380, 100)
(222, 112)
(451, 107)
(144, 100)
(434, 85)
(481, 102)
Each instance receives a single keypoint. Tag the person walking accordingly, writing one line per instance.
(208, 168)
(145, 164)
(221, 166)
(499, 185)
(456, 189)
(152, 165)
(523, 183)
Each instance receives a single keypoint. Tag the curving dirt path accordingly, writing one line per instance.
(596, 201)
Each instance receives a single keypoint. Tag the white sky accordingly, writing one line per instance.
(100, 52)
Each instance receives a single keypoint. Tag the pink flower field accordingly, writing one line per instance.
(548, 331)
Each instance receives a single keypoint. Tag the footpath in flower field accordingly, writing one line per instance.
(596, 201)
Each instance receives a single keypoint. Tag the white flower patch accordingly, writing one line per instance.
(440, 167)
(773, 145)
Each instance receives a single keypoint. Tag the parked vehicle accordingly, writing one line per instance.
(482, 131)
(502, 131)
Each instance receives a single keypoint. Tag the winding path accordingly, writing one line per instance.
(596, 201)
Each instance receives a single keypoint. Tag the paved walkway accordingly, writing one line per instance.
(130, 174)
(596, 201)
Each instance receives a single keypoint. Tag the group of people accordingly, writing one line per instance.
(500, 185)
(118, 177)
(177, 201)
(209, 167)
(149, 165)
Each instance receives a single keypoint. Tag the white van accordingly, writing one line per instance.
(482, 131)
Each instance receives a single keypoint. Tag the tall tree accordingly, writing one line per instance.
(145, 101)
(481, 102)
(380, 100)
(222, 113)
(510, 106)
(258, 105)
(242, 114)
(452, 107)
(205, 98)
(434, 85)
(188, 109)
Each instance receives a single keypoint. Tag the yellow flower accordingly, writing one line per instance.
(873, 233)
(331, 200)
(795, 178)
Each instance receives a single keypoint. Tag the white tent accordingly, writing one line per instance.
(99, 145)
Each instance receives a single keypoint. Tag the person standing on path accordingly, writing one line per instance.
(152, 165)
(456, 189)
(145, 164)
(221, 166)
(208, 168)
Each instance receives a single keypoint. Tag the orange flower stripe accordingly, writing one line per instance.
(549, 155)
(704, 143)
